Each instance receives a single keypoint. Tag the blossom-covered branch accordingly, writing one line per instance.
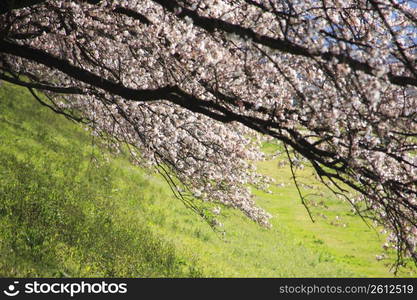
(194, 87)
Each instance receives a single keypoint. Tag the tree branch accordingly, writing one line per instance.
(80, 74)
(285, 46)
(44, 87)
(8, 5)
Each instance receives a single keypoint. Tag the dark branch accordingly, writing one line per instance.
(285, 46)
(8, 5)
(43, 87)
(80, 74)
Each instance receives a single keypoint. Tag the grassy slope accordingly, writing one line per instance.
(136, 222)
(60, 212)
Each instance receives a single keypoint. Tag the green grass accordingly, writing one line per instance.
(60, 210)
(68, 208)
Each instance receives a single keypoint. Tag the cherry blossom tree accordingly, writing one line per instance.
(193, 87)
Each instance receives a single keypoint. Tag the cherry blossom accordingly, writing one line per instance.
(193, 87)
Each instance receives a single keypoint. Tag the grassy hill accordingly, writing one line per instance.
(69, 208)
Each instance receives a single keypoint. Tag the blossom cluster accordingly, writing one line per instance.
(335, 81)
